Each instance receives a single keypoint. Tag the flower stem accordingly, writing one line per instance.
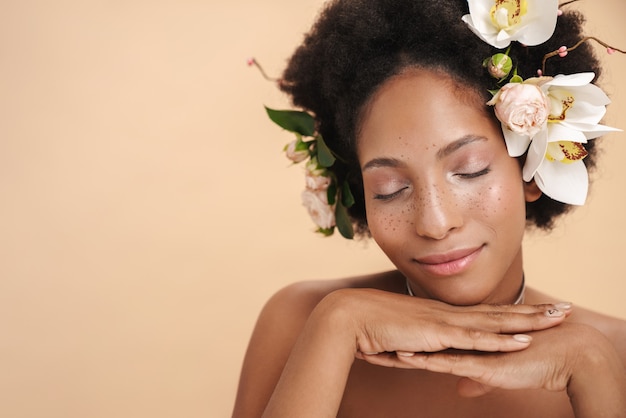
(585, 39)
(567, 2)
(253, 61)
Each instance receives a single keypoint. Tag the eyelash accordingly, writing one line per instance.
(390, 196)
(482, 172)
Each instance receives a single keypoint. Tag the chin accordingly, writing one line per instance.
(459, 294)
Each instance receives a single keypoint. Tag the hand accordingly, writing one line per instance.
(386, 322)
(350, 322)
(572, 357)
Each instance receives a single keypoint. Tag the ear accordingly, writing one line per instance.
(531, 191)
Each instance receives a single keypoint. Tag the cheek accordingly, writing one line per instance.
(499, 200)
(502, 198)
(503, 203)
(387, 222)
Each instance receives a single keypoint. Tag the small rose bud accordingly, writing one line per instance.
(499, 65)
(294, 153)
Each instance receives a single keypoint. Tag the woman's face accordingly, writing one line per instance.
(444, 200)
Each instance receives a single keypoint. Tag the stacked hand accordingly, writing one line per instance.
(489, 346)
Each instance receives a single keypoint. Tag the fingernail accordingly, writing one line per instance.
(369, 353)
(405, 353)
(554, 313)
(565, 306)
(522, 338)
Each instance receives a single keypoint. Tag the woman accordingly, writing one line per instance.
(405, 143)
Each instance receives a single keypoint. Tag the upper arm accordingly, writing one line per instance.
(618, 337)
(613, 328)
(276, 331)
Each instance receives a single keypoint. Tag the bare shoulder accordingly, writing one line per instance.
(291, 306)
(612, 327)
(300, 298)
(277, 329)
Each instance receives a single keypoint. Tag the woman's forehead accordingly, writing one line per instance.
(421, 100)
(423, 82)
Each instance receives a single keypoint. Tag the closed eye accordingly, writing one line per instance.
(475, 174)
(390, 195)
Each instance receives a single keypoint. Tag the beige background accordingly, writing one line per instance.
(147, 212)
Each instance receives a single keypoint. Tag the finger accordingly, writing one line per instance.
(458, 364)
(504, 318)
(512, 322)
(502, 343)
(514, 309)
(481, 369)
(508, 319)
(385, 359)
(471, 339)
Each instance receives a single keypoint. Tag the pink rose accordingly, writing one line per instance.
(294, 154)
(316, 183)
(316, 203)
(523, 108)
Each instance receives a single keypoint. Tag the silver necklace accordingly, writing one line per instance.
(518, 301)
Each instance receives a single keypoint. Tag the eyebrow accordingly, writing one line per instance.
(382, 162)
(459, 143)
(451, 148)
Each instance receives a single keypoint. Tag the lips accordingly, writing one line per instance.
(450, 263)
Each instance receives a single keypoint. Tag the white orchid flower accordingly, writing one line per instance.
(499, 22)
(560, 172)
(555, 154)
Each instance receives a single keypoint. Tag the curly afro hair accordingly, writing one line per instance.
(356, 45)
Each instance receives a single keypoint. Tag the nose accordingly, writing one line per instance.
(437, 212)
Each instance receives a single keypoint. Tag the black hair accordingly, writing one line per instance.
(356, 45)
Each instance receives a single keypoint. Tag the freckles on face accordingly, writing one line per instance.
(493, 204)
(389, 223)
(435, 169)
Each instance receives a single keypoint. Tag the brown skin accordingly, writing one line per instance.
(452, 221)
(375, 391)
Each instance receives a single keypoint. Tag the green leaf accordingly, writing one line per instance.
(347, 198)
(331, 193)
(342, 219)
(293, 120)
(325, 156)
